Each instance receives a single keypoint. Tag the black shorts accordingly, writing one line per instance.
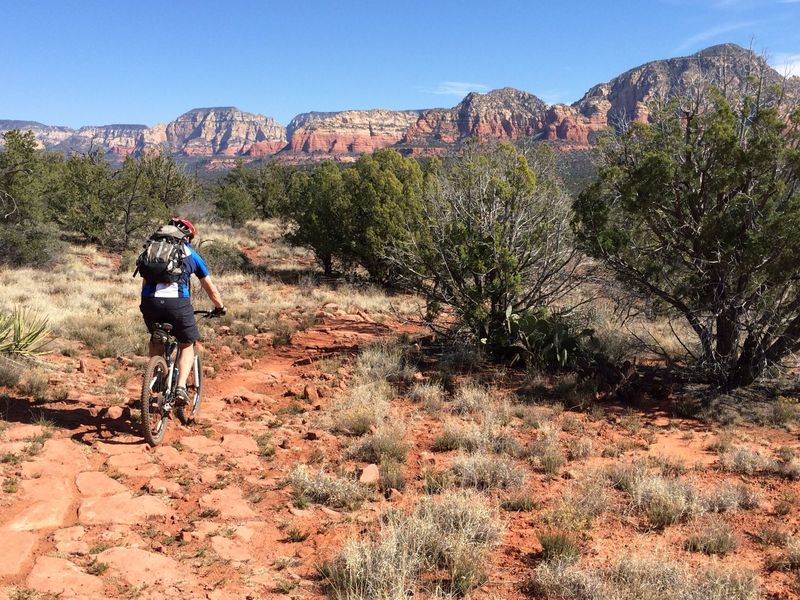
(176, 311)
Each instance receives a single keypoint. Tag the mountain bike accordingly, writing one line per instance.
(158, 399)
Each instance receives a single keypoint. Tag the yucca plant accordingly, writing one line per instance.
(23, 332)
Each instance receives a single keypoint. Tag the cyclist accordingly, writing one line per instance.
(171, 303)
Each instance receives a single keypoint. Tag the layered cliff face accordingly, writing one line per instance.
(224, 132)
(504, 114)
(47, 136)
(347, 133)
(726, 66)
(206, 132)
(500, 114)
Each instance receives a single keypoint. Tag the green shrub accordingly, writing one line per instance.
(222, 257)
(31, 245)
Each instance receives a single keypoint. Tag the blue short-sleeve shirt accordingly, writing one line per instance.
(193, 263)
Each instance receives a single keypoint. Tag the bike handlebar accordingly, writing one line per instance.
(210, 314)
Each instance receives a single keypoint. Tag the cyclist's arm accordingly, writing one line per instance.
(212, 291)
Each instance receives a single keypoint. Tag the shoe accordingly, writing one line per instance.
(181, 397)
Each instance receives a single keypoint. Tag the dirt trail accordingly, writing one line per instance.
(97, 513)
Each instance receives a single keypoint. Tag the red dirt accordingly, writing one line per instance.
(205, 516)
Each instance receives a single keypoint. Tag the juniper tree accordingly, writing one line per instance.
(700, 209)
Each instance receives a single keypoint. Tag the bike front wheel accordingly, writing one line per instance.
(194, 389)
(154, 390)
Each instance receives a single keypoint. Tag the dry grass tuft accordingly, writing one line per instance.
(717, 538)
(362, 408)
(383, 362)
(452, 534)
(731, 496)
(487, 472)
(429, 395)
(544, 452)
(326, 489)
(471, 399)
(665, 501)
(387, 443)
(641, 578)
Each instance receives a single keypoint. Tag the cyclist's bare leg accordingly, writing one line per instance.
(185, 362)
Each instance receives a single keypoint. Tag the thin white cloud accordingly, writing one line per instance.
(710, 34)
(788, 1)
(458, 88)
(786, 64)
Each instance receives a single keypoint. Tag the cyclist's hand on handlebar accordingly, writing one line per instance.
(219, 311)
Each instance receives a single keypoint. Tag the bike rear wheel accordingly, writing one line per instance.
(194, 389)
(154, 387)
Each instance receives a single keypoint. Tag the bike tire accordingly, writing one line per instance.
(154, 422)
(194, 388)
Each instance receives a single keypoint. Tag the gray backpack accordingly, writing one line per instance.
(161, 261)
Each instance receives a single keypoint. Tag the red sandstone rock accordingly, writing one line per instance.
(60, 577)
(370, 475)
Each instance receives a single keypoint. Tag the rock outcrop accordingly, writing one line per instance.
(224, 131)
(500, 114)
(219, 134)
(347, 133)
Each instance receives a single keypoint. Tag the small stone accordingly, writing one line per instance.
(299, 512)
(370, 474)
(81, 366)
(395, 495)
(115, 412)
(310, 392)
(312, 435)
(330, 512)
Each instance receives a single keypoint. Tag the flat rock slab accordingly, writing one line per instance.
(248, 462)
(60, 577)
(165, 486)
(59, 457)
(170, 457)
(95, 483)
(128, 459)
(229, 502)
(239, 445)
(121, 508)
(122, 445)
(22, 432)
(69, 534)
(229, 549)
(73, 547)
(16, 550)
(139, 567)
(199, 444)
(47, 504)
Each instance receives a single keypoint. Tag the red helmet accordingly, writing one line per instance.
(185, 226)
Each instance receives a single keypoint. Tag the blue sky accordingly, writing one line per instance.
(79, 62)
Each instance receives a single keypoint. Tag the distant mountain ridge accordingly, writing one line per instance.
(221, 133)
